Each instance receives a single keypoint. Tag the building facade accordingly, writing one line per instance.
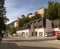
(38, 28)
(41, 11)
(31, 15)
(16, 23)
(56, 27)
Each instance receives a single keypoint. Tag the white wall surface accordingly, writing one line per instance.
(21, 31)
(56, 29)
(40, 30)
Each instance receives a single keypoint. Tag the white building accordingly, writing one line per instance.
(39, 28)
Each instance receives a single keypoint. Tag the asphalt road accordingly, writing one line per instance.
(30, 43)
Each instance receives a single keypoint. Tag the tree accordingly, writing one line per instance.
(3, 18)
(37, 16)
(23, 21)
(22, 16)
(57, 9)
(53, 10)
(50, 10)
(12, 30)
(29, 14)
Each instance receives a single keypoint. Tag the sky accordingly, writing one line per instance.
(16, 8)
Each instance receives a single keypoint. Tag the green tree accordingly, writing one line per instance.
(50, 10)
(23, 21)
(12, 30)
(3, 18)
(37, 16)
(57, 9)
(53, 10)
(22, 16)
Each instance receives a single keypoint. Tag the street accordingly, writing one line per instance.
(30, 43)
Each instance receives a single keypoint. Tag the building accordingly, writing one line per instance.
(56, 27)
(41, 11)
(39, 28)
(16, 23)
(30, 15)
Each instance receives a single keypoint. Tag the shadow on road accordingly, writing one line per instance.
(4, 45)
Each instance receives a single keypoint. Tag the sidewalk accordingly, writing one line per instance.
(54, 41)
(28, 38)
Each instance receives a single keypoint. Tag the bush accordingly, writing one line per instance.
(58, 37)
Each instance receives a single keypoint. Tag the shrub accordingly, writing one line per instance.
(58, 37)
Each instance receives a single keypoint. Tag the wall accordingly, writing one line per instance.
(41, 11)
(55, 29)
(40, 30)
(48, 29)
(15, 24)
(32, 30)
(30, 16)
(26, 32)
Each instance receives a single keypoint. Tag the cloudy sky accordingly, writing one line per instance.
(16, 8)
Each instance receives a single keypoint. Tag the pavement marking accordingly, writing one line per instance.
(20, 45)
